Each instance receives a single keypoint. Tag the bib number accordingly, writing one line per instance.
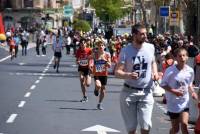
(83, 62)
(100, 68)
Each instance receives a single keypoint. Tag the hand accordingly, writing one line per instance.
(194, 96)
(133, 75)
(178, 92)
(78, 62)
(155, 76)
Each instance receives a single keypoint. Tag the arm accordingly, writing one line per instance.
(120, 73)
(155, 75)
(173, 91)
(192, 92)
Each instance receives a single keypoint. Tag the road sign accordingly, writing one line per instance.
(174, 18)
(68, 10)
(164, 11)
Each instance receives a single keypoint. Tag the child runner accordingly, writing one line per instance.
(102, 61)
(178, 82)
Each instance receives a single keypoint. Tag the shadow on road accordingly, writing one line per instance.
(82, 109)
(64, 100)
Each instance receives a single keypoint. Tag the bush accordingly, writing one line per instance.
(82, 25)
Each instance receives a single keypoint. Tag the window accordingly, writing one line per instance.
(28, 3)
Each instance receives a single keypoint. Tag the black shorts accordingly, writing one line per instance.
(58, 54)
(86, 71)
(176, 115)
(102, 79)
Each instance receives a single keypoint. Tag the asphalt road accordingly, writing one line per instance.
(34, 99)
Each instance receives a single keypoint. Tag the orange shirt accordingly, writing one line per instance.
(84, 57)
(100, 66)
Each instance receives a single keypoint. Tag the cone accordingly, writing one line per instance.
(197, 125)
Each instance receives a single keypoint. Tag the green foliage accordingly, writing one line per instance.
(161, 2)
(81, 25)
(108, 10)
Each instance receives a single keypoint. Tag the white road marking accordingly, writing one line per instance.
(37, 81)
(100, 129)
(1, 60)
(40, 77)
(12, 118)
(27, 94)
(32, 87)
(21, 64)
(21, 104)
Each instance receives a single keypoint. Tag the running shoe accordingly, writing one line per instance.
(96, 92)
(99, 107)
(85, 99)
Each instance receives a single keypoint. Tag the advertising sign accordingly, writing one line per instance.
(174, 18)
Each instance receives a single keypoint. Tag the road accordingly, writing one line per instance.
(37, 100)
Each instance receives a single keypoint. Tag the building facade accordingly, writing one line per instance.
(31, 14)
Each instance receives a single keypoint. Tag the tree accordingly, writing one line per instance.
(108, 10)
(191, 15)
(81, 25)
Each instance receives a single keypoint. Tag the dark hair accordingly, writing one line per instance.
(135, 28)
(82, 40)
(169, 56)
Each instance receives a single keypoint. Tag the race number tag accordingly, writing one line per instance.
(100, 66)
(83, 62)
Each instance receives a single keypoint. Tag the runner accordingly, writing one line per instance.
(178, 82)
(11, 43)
(57, 48)
(102, 61)
(83, 59)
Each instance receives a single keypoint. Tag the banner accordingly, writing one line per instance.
(2, 31)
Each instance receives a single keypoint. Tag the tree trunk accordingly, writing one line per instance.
(144, 13)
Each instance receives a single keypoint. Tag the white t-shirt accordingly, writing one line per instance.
(140, 61)
(178, 79)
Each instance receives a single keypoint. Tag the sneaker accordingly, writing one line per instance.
(85, 99)
(99, 107)
(96, 92)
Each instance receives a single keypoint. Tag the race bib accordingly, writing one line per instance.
(83, 62)
(100, 66)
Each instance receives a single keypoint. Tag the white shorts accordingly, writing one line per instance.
(136, 109)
